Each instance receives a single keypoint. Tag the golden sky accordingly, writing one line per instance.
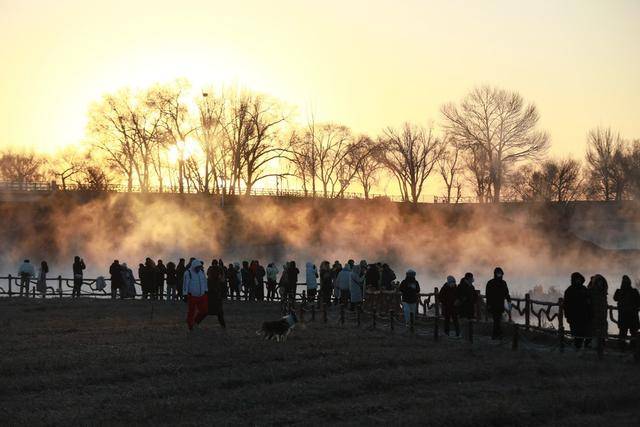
(367, 64)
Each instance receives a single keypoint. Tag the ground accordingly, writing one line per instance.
(130, 362)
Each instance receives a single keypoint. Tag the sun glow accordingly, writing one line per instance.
(184, 150)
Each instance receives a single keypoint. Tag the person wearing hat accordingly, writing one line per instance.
(195, 287)
(497, 294)
(447, 299)
(410, 290)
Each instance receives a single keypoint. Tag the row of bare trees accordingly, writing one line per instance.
(489, 146)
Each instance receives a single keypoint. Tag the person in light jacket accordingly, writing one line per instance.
(195, 287)
(26, 273)
(355, 287)
(312, 282)
(343, 284)
(272, 281)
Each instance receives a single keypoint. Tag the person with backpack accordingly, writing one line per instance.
(410, 290)
(628, 299)
(497, 294)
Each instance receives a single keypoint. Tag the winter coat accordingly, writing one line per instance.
(628, 304)
(447, 297)
(41, 286)
(355, 286)
(311, 276)
(343, 281)
(372, 277)
(410, 290)
(599, 307)
(195, 282)
(465, 299)
(78, 267)
(497, 292)
(26, 270)
(115, 271)
(272, 273)
(386, 278)
(576, 304)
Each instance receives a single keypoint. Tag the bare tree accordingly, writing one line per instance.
(605, 157)
(498, 127)
(22, 167)
(410, 154)
(450, 167)
(66, 164)
(367, 157)
(554, 180)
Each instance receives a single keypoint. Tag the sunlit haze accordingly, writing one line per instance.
(366, 64)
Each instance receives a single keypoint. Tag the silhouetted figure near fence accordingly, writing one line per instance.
(234, 285)
(172, 281)
(26, 271)
(148, 279)
(311, 279)
(259, 278)
(343, 284)
(117, 280)
(292, 279)
(215, 291)
(336, 268)
(223, 270)
(497, 294)
(245, 274)
(129, 289)
(410, 290)
(180, 270)
(355, 288)
(326, 282)
(466, 297)
(447, 298)
(597, 289)
(195, 287)
(387, 277)
(628, 299)
(576, 309)
(78, 272)
(41, 285)
(272, 281)
(372, 277)
(161, 272)
(283, 283)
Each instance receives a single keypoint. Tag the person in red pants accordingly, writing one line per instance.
(195, 287)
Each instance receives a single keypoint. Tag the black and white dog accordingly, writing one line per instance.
(279, 329)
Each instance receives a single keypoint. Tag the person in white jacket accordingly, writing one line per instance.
(26, 273)
(312, 281)
(195, 287)
(342, 284)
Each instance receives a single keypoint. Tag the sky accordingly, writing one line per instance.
(366, 64)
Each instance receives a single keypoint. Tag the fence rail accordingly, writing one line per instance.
(531, 314)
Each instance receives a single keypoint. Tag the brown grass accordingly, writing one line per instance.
(102, 362)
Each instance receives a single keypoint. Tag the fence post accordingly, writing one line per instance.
(470, 326)
(10, 286)
(391, 320)
(437, 314)
(60, 286)
(527, 311)
(561, 323)
(342, 314)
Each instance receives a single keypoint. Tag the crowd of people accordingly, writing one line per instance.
(205, 289)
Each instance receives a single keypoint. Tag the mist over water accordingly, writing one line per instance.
(534, 244)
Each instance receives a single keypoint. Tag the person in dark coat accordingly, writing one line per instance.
(598, 289)
(117, 281)
(223, 271)
(628, 299)
(497, 294)
(292, 279)
(466, 297)
(148, 279)
(372, 277)
(142, 277)
(447, 298)
(161, 272)
(215, 291)
(78, 269)
(387, 276)
(576, 308)
(326, 283)
(259, 278)
(410, 290)
(234, 286)
(247, 279)
(172, 281)
(180, 270)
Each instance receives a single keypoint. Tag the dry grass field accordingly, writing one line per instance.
(65, 362)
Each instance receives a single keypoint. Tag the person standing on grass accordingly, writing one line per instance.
(195, 287)
(343, 284)
(172, 281)
(26, 273)
(180, 270)
(410, 290)
(78, 269)
(466, 297)
(628, 299)
(497, 294)
(447, 299)
(597, 289)
(311, 276)
(260, 273)
(215, 291)
(41, 286)
(355, 287)
(576, 309)
(326, 282)
(117, 282)
(161, 272)
(292, 278)
(272, 281)
(129, 281)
